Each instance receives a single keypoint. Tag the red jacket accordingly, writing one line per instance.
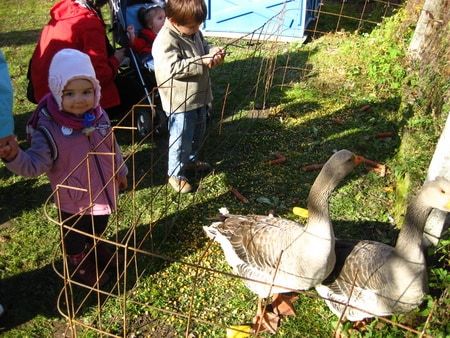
(77, 27)
(143, 43)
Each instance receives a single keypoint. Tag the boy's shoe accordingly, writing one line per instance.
(180, 184)
(200, 166)
(83, 270)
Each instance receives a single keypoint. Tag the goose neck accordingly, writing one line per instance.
(318, 218)
(409, 242)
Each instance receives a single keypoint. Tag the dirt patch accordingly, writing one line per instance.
(145, 326)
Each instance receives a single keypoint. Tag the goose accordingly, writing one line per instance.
(376, 279)
(275, 255)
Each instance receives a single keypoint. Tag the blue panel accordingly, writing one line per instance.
(285, 18)
(311, 6)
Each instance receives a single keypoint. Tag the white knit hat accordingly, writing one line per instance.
(69, 64)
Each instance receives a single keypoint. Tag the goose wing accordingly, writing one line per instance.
(358, 279)
(255, 240)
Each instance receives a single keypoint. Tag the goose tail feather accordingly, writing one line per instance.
(211, 231)
(224, 211)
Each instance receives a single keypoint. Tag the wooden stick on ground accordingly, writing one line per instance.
(279, 159)
(238, 195)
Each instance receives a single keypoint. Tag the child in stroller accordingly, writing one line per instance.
(152, 19)
(139, 79)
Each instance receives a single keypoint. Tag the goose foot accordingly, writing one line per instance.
(282, 303)
(266, 322)
(360, 324)
(357, 328)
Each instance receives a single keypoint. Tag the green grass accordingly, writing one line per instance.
(339, 91)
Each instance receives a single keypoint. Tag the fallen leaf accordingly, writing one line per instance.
(302, 212)
(338, 120)
(378, 168)
(238, 195)
(312, 167)
(239, 331)
(279, 159)
(385, 134)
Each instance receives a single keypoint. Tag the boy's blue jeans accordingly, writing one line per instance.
(186, 132)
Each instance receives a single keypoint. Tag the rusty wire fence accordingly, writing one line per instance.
(148, 232)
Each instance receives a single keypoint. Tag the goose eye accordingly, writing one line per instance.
(442, 191)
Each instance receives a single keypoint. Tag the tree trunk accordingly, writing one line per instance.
(429, 51)
(430, 21)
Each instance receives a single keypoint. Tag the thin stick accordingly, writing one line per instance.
(238, 195)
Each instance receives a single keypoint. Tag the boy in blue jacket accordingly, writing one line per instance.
(6, 114)
(6, 106)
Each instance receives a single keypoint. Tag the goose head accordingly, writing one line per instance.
(339, 165)
(433, 194)
(436, 194)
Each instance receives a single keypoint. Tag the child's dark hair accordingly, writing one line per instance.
(144, 12)
(141, 14)
(185, 11)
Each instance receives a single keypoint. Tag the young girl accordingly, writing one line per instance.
(71, 141)
(152, 19)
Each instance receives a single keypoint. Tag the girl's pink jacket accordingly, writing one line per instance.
(83, 173)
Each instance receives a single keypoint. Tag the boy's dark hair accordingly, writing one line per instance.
(185, 11)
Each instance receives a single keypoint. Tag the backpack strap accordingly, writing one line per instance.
(50, 141)
(32, 126)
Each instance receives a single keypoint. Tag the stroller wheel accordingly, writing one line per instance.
(143, 122)
(161, 122)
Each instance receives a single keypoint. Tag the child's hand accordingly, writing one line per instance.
(120, 54)
(123, 182)
(8, 148)
(215, 57)
(131, 32)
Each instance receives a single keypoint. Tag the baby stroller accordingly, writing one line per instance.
(139, 80)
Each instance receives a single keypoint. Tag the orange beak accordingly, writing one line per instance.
(358, 159)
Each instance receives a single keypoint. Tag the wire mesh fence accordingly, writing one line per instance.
(163, 278)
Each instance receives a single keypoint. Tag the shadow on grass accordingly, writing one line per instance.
(17, 38)
(248, 75)
(25, 191)
(28, 295)
(240, 153)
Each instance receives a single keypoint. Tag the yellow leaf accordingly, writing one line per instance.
(239, 331)
(302, 212)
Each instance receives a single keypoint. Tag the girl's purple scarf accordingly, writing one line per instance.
(60, 117)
